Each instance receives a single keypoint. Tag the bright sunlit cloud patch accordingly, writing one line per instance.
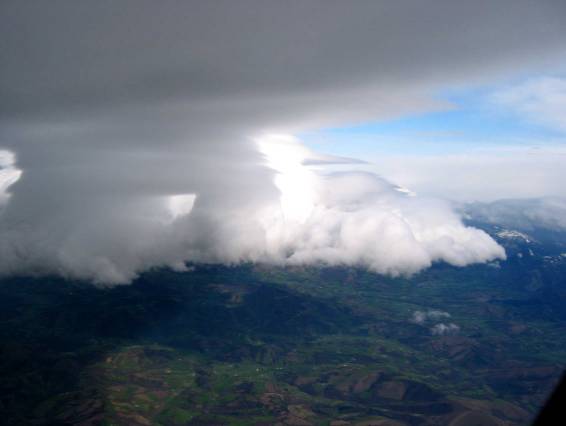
(295, 181)
(9, 174)
(181, 204)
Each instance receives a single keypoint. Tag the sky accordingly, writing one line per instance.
(505, 140)
(135, 136)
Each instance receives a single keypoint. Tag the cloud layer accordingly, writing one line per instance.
(315, 217)
(136, 128)
(481, 174)
(540, 213)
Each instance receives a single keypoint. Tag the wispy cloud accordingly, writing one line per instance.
(541, 100)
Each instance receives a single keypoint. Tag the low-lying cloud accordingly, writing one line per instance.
(442, 329)
(431, 319)
(421, 317)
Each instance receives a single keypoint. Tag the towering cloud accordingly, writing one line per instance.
(136, 128)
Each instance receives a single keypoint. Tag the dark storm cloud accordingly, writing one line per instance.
(71, 53)
(113, 107)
